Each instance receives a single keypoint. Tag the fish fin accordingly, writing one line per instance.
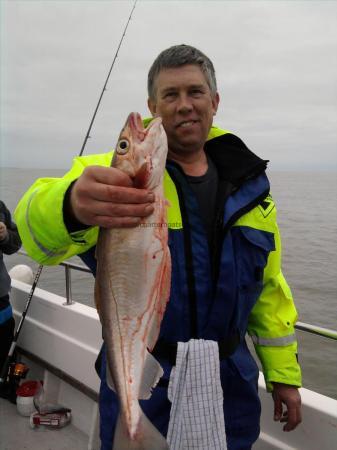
(152, 373)
(147, 437)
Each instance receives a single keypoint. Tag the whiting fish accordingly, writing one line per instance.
(132, 287)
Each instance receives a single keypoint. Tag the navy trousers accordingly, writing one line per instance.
(241, 407)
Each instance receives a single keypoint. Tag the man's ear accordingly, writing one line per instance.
(152, 106)
(215, 103)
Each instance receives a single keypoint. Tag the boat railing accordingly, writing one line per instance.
(69, 266)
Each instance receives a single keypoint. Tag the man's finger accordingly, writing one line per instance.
(277, 408)
(108, 175)
(294, 418)
(94, 211)
(117, 222)
(120, 194)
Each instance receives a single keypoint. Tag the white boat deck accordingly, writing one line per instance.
(16, 433)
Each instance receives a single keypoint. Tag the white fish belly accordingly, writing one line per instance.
(132, 288)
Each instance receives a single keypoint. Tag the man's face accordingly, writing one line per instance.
(184, 101)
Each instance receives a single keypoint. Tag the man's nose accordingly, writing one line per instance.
(184, 104)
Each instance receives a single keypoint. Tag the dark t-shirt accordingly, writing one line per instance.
(205, 188)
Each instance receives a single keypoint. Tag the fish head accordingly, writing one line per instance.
(141, 152)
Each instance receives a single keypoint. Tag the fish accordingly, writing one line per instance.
(132, 286)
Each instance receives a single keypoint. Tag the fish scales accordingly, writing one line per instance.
(132, 287)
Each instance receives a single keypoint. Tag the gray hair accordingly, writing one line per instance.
(177, 56)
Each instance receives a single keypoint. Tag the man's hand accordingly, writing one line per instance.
(3, 231)
(289, 395)
(105, 196)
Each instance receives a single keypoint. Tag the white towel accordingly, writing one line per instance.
(196, 418)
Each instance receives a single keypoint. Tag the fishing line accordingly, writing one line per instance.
(87, 136)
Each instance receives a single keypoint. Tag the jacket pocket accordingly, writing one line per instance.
(252, 248)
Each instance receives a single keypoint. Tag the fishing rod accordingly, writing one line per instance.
(4, 370)
(87, 136)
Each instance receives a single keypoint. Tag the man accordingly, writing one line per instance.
(10, 242)
(226, 274)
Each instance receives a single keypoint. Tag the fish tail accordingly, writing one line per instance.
(147, 437)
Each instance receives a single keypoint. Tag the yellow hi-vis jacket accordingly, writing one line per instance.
(272, 315)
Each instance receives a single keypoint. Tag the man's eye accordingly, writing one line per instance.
(196, 92)
(169, 95)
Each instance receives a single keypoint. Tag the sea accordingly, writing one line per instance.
(307, 217)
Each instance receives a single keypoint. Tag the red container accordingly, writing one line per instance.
(28, 388)
(25, 397)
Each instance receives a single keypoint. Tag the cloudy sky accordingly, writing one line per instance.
(276, 64)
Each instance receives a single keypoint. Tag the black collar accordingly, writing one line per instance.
(234, 161)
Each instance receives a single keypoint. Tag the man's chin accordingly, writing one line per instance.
(187, 145)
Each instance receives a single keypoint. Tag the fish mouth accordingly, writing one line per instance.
(135, 121)
(136, 126)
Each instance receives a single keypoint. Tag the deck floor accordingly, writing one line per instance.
(16, 433)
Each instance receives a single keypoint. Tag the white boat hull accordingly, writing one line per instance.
(68, 339)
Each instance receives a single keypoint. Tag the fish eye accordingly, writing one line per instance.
(123, 147)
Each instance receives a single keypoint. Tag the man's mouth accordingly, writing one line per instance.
(187, 123)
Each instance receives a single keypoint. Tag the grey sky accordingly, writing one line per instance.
(276, 67)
